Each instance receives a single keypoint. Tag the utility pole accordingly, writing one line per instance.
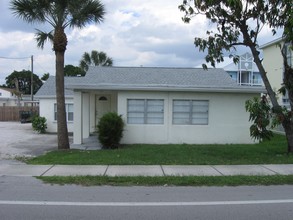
(32, 79)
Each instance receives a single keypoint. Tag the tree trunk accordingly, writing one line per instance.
(287, 124)
(290, 141)
(288, 127)
(252, 46)
(265, 79)
(287, 82)
(289, 136)
(63, 141)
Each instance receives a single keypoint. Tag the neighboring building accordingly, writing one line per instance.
(245, 72)
(158, 105)
(26, 100)
(274, 65)
(8, 97)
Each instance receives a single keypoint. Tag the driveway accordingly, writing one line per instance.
(18, 139)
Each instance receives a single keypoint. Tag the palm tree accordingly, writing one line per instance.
(59, 14)
(95, 59)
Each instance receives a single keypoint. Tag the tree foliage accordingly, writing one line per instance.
(95, 58)
(45, 76)
(280, 15)
(239, 23)
(70, 70)
(260, 116)
(24, 81)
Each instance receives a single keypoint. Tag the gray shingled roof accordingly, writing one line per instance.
(158, 78)
(150, 78)
(49, 87)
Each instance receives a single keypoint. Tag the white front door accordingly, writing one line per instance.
(103, 105)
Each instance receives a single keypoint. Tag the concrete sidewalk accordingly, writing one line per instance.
(18, 169)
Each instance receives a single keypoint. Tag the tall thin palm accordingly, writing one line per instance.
(59, 14)
(95, 59)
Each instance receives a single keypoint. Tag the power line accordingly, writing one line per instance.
(15, 58)
(40, 66)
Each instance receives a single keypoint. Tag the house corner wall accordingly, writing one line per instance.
(46, 109)
(273, 64)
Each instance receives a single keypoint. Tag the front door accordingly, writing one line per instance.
(103, 105)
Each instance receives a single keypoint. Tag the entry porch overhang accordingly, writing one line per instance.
(89, 106)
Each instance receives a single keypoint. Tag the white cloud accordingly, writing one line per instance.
(134, 33)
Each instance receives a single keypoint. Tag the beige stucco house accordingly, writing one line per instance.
(273, 63)
(158, 105)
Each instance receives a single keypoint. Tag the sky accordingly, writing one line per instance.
(147, 33)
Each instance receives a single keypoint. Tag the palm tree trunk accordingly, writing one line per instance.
(63, 141)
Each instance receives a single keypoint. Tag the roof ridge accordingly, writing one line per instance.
(149, 67)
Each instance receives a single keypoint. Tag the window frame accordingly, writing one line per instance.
(146, 112)
(67, 112)
(191, 112)
(288, 52)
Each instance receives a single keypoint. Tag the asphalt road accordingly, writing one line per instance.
(28, 198)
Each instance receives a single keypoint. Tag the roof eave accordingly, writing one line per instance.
(273, 42)
(51, 96)
(239, 89)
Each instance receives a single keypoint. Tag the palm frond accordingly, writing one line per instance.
(85, 62)
(31, 11)
(95, 58)
(84, 12)
(43, 37)
(87, 58)
(109, 62)
(83, 65)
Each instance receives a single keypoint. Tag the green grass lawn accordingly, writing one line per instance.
(268, 152)
(170, 180)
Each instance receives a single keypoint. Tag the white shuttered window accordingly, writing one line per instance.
(145, 111)
(190, 112)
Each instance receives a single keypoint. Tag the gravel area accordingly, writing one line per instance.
(18, 139)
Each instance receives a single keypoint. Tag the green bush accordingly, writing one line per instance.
(110, 130)
(39, 124)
